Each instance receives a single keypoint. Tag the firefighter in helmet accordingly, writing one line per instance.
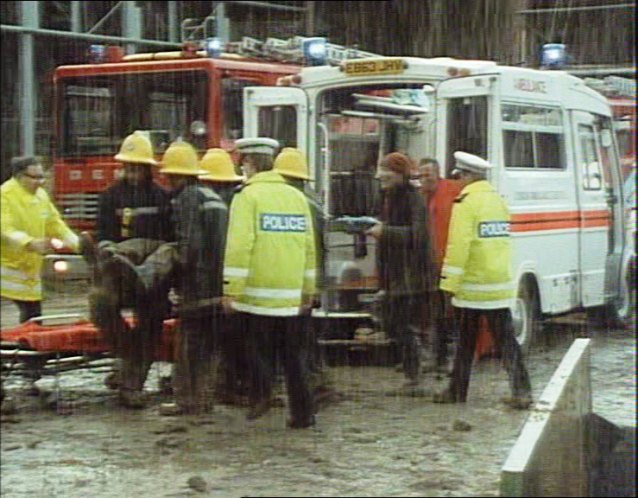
(220, 174)
(133, 220)
(292, 165)
(197, 255)
(231, 384)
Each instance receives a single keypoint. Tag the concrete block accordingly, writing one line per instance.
(550, 457)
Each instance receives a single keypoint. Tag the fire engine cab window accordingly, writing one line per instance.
(533, 137)
(99, 111)
(279, 122)
(89, 118)
(232, 104)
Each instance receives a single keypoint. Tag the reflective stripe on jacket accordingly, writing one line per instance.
(270, 253)
(477, 265)
(26, 217)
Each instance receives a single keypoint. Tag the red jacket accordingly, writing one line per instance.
(440, 207)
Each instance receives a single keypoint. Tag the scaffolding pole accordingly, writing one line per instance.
(11, 28)
(29, 17)
(552, 10)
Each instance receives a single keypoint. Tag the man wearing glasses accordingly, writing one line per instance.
(31, 226)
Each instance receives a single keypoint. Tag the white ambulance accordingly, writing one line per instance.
(548, 135)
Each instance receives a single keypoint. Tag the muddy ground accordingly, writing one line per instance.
(371, 443)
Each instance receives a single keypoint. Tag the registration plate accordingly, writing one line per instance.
(368, 67)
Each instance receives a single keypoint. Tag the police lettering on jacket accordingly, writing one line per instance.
(489, 229)
(282, 222)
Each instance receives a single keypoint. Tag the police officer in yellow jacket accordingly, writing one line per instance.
(29, 223)
(477, 273)
(269, 276)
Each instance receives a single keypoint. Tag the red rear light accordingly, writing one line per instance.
(114, 53)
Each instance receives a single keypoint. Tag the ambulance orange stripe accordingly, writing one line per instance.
(530, 222)
(544, 225)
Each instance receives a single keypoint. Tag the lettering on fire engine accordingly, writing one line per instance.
(375, 67)
(526, 85)
(282, 223)
(489, 229)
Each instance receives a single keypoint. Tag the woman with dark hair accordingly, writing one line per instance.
(404, 258)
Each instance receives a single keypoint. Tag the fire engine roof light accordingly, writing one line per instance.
(97, 53)
(314, 51)
(554, 56)
(213, 47)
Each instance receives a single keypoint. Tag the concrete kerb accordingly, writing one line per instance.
(550, 457)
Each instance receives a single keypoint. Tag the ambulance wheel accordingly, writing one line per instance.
(526, 315)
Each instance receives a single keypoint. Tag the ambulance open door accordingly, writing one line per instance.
(600, 208)
(466, 111)
(277, 112)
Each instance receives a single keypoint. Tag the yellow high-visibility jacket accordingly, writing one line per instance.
(477, 265)
(270, 250)
(24, 217)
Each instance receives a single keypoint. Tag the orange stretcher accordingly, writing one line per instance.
(43, 343)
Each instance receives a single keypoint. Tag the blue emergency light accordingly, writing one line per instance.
(213, 47)
(314, 51)
(554, 56)
(97, 53)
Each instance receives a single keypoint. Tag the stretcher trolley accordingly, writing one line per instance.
(54, 344)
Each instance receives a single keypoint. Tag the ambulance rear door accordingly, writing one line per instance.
(466, 112)
(277, 112)
(601, 235)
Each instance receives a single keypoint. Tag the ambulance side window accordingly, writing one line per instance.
(592, 175)
(533, 137)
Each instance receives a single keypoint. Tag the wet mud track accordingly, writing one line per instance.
(75, 441)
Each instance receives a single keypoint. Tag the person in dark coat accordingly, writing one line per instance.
(404, 259)
(292, 165)
(200, 217)
(232, 378)
(133, 220)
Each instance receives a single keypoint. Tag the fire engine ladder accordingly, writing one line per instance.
(613, 86)
(291, 50)
(195, 31)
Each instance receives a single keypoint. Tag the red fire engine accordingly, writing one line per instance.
(621, 94)
(169, 94)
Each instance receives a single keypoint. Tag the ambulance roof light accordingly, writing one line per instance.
(314, 51)
(554, 56)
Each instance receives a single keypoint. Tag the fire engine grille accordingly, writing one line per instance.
(78, 206)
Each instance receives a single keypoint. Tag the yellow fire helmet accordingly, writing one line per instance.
(292, 163)
(219, 167)
(136, 149)
(181, 159)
